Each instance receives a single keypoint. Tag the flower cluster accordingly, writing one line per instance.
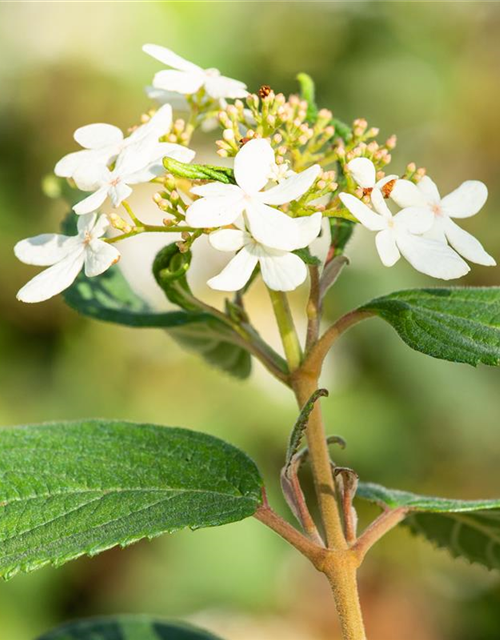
(296, 172)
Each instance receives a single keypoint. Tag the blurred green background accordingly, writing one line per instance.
(426, 71)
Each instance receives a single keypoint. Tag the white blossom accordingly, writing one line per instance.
(103, 143)
(188, 78)
(401, 234)
(464, 202)
(223, 204)
(281, 270)
(364, 173)
(65, 256)
(138, 163)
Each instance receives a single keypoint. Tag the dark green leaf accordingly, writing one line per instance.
(467, 528)
(341, 231)
(110, 298)
(199, 171)
(306, 256)
(460, 324)
(74, 488)
(170, 267)
(126, 628)
(307, 92)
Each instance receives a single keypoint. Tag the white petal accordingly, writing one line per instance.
(86, 223)
(100, 256)
(214, 212)
(436, 232)
(236, 273)
(379, 203)
(466, 245)
(308, 229)
(100, 227)
(98, 135)
(292, 188)
(363, 213)
(217, 189)
(91, 175)
(465, 201)
(92, 202)
(176, 151)
(227, 239)
(272, 228)
(252, 165)
(179, 81)
(53, 280)
(119, 192)
(218, 87)
(363, 171)
(429, 189)
(169, 58)
(415, 219)
(281, 271)
(387, 248)
(407, 194)
(45, 249)
(159, 124)
(70, 163)
(430, 257)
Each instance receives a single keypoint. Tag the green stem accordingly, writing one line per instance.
(149, 228)
(288, 333)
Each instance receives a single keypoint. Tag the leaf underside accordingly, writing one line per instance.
(110, 298)
(126, 628)
(75, 488)
(460, 324)
(466, 528)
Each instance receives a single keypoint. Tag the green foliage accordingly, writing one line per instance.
(110, 298)
(199, 171)
(341, 231)
(306, 256)
(460, 324)
(75, 488)
(467, 528)
(126, 628)
(308, 92)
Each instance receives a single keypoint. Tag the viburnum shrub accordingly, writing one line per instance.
(294, 174)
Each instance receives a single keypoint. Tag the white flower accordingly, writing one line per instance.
(281, 270)
(102, 143)
(464, 202)
(188, 78)
(65, 256)
(364, 173)
(280, 172)
(401, 235)
(223, 204)
(139, 162)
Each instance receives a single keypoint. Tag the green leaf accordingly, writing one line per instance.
(74, 488)
(306, 256)
(342, 130)
(307, 92)
(301, 425)
(110, 298)
(460, 324)
(341, 231)
(126, 628)
(199, 171)
(467, 528)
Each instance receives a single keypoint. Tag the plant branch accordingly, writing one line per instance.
(314, 361)
(387, 520)
(284, 529)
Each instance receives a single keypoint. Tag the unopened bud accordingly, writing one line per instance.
(222, 153)
(391, 142)
(228, 135)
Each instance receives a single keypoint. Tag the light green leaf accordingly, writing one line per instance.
(110, 298)
(308, 93)
(460, 324)
(467, 528)
(126, 628)
(74, 488)
(199, 171)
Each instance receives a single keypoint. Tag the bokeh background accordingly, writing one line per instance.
(427, 71)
